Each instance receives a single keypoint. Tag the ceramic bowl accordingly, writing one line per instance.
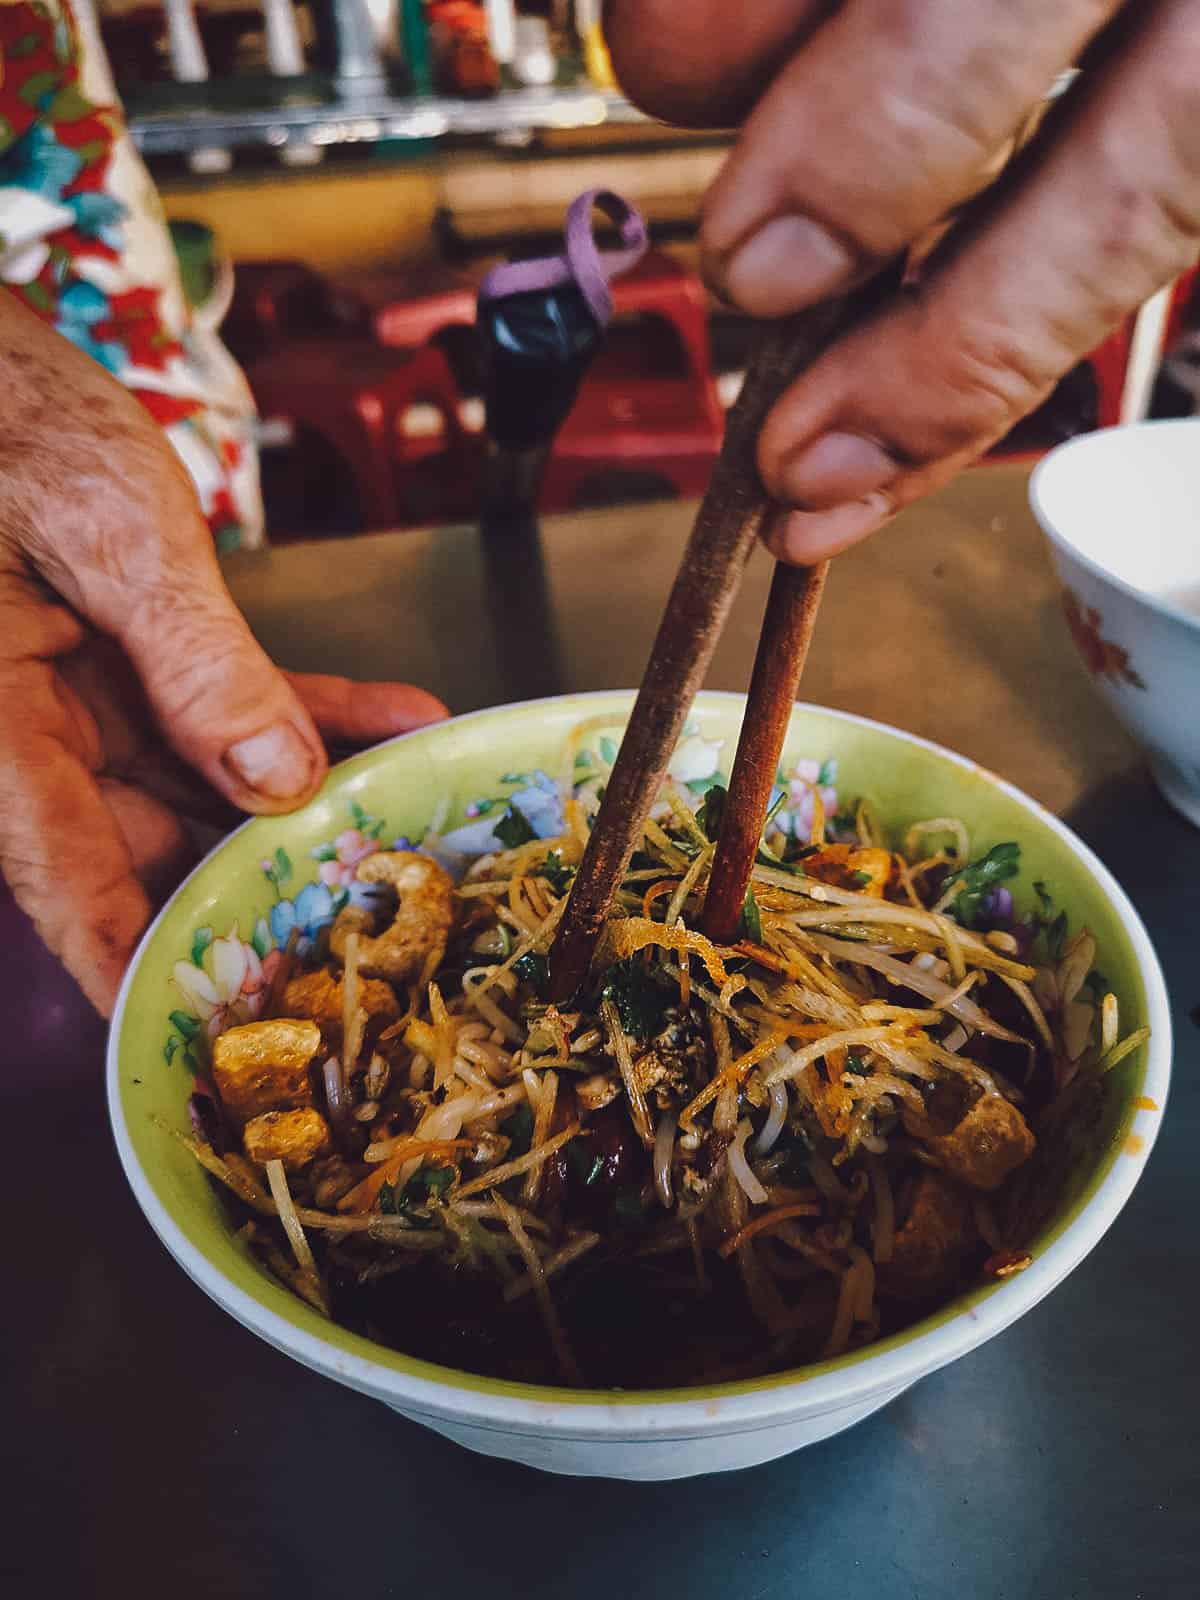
(1121, 511)
(206, 958)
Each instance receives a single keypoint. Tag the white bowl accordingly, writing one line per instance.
(649, 1435)
(1121, 511)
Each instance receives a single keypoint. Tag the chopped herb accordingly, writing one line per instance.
(585, 1163)
(532, 968)
(979, 878)
(1045, 903)
(861, 880)
(639, 995)
(1056, 936)
(557, 873)
(751, 924)
(514, 829)
(710, 813)
(425, 1184)
(856, 1064)
(701, 786)
(775, 805)
(518, 1129)
(435, 1180)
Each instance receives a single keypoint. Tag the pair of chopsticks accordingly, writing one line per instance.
(733, 513)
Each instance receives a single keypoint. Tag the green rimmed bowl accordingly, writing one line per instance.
(210, 952)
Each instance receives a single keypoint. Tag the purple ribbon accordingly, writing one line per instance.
(583, 263)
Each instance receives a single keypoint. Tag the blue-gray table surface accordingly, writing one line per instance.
(154, 1447)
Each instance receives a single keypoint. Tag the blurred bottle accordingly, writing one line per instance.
(463, 63)
(597, 62)
(534, 62)
(189, 64)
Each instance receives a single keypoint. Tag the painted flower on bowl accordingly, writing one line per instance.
(803, 782)
(313, 909)
(1101, 656)
(533, 811)
(226, 980)
(695, 759)
(349, 848)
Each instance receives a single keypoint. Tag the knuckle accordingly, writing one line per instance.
(983, 379)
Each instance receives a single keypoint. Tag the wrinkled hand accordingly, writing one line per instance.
(125, 668)
(866, 122)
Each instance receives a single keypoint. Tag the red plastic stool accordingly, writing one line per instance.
(358, 399)
(645, 437)
(274, 301)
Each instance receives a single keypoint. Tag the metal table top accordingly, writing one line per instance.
(155, 1447)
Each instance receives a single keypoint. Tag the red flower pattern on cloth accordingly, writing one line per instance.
(80, 247)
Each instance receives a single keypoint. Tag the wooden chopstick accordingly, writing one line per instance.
(730, 519)
(787, 631)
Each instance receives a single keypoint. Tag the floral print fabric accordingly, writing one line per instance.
(83, 242)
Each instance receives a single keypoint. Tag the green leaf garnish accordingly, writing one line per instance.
(514, 829)
(979, 878)
(532, 968)
(711, 812)
(751, 924)
(518, 1129)
(640, 996)
(585, 1163)
(557, 873)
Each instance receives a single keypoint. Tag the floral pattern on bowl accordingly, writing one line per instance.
(1101, 656)
(224, 981)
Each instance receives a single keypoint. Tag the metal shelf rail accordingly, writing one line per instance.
(316, 120)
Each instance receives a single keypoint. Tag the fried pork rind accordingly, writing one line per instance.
(263, 1066)
(294, 1137)
(421, 925)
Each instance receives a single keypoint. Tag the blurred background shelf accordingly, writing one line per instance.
(165, 123)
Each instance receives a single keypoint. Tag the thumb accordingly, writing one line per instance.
(220, 701)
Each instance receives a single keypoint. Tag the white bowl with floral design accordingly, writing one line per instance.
(1121, 511)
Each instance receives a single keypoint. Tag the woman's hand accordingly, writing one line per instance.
(124, 663)
(866, 122)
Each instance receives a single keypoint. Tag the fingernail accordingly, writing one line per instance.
(789, 263)
(807, 536)
(835, 468)
(276, 763)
